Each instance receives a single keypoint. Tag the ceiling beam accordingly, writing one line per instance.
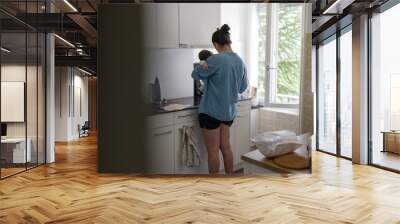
(79, 61)
(86, 27)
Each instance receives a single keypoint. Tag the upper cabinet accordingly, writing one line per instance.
(149, 23)
(167, 20)
(191, 25)
(197, 22)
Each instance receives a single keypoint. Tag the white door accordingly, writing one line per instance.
(180, 166)
(167, 25)
(160, 150)
(197, 22)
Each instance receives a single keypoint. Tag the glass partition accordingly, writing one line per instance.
(15, 152)
(346, 94)
(22, 88)
(41, 96)
(327, 97)
(385, 89)
(31, 100)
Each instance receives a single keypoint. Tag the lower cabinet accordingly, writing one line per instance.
(165, 146)
(160, 156)
(180, 164)
(241, 137)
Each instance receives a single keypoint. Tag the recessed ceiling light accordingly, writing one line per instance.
(337, 7)
(326, 11)
(65, 41)
(70, 5)
(5, 50)
(84, 71)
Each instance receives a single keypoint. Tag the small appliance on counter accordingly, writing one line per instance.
(198, 91)
(198, 87)
(155, 92)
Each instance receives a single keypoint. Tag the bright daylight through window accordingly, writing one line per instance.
(279, 53)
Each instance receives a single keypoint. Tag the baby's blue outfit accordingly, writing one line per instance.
(224, 79)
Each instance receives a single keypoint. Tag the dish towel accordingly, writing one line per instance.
(190, 152)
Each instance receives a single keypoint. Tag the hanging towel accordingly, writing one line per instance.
(190, 152)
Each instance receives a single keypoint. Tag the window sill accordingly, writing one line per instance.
(290, 111)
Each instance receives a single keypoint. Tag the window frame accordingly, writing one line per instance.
(334, 37)
(271, 60)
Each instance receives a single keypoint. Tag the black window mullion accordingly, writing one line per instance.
(26, 87)
(0, 95)
(317, 96)
(37, 90)
(369, 79)
(338, 82)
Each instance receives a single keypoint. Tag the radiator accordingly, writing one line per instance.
(391, 142)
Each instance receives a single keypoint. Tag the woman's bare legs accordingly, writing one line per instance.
(226, 150)
(211, 139)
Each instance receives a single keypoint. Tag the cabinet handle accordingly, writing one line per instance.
(182, 116)
(162, 133)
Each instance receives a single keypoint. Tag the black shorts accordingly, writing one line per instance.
(208, 122)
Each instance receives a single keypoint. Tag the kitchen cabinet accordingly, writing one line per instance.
(165, 153)
(167, 20)
(149, 24)
(241, 137)
(180, 166)
(159, 150)
(190, 25)
(197, 22)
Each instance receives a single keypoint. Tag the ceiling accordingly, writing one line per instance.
(76, 22)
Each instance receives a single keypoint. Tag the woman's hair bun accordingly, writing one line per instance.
(222, 35)
(225, 28)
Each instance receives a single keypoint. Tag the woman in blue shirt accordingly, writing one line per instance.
(224, 77)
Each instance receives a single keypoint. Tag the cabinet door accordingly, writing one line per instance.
(149, 25)
(197, 22)
(167, 25)
(241, 136)
(180, 166)
(160, 150)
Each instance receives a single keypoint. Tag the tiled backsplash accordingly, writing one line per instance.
(274, 119)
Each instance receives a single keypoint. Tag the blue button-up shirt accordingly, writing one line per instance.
(223, 80)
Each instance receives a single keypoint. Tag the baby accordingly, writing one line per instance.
(203, 55)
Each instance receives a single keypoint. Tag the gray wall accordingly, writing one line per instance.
(120, 110)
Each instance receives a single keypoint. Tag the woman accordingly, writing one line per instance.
(224, 77)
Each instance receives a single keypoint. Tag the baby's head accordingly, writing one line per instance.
(204, 54)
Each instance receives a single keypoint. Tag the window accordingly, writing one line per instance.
(385, 89)
(327, 126)
(346, 74)
(279, 53)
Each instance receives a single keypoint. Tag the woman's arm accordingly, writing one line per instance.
(202, 72)
(244, 82)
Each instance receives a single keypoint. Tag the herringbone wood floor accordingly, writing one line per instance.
(70, 191)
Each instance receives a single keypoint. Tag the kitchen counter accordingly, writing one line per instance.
(164, 137)
(154, 109)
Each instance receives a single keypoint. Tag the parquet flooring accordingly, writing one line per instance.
(71, 191)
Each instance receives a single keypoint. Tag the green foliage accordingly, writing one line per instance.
(289, 50)
(262, 34)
